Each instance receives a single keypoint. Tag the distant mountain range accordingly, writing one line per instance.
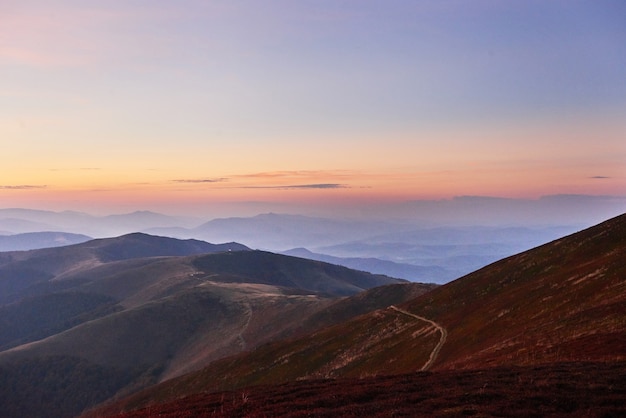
(378, 266)
(395, 249)
(553, 312)
(16, 221)
(399, 248)
(36, 240)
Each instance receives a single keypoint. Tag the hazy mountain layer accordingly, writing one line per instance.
(36, 240)
(407, 247)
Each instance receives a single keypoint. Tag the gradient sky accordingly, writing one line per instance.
(180, 105)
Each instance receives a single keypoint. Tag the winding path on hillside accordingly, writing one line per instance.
(442, 340)
(242, 340)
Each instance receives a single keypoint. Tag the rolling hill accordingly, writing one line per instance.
(555, 307)
(140, 309)
(33, 272)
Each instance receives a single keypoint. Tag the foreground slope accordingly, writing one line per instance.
(563, 301)
(578, 389)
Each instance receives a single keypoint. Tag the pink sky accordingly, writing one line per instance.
(109, 106)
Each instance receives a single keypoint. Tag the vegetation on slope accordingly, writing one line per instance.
(131, 304)
(27, 387)
(555, 390)
(38, 317)
(562, 301)
(280, 270)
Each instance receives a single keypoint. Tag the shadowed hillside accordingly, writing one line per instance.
(32, 272)
(138, 310)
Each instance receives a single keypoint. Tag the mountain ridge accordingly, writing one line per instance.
(140, 308)
(559, 302)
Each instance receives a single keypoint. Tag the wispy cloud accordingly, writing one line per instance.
(22, 187)
(301, 186)
(298, 174)
(216, 180)
(599, 177)
(77, 169)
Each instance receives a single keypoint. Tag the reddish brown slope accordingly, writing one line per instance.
(559, 302)
(558, 390)
(565, 300)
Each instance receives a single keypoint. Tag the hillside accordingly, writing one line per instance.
(36, 240)
(138, 310)
(562, 301)
(30, 273)
(556, 390)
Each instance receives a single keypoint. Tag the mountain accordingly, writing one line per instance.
(51, 290)
(281, 231)
(12, 226)
(139, 309)
(456, 250)
(32, 272)
(399, 249)
(554, 306)
(433, 274)
(16, 220)
(36, 240)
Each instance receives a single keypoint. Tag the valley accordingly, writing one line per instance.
(421, 251)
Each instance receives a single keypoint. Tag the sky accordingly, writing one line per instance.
(184, 106)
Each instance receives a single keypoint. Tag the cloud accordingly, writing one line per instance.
(216, 180)
(301, 186)
(298, 174)
(76, 169)
(22, 187)
(599, 177)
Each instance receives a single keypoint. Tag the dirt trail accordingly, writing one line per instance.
(442, 340)
(242, 341)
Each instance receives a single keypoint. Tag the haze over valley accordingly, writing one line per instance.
(431, 242)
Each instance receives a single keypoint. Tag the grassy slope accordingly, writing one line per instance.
(31, 273)
(561, 301)
(166, 315)
(269, 268)
(556, 390)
